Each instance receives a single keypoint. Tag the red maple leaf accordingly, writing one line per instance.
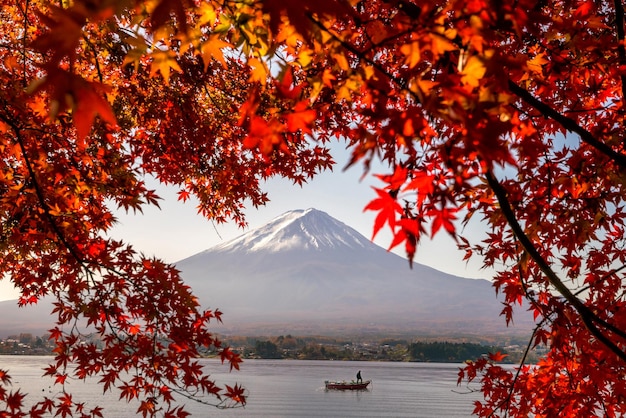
(388, 209)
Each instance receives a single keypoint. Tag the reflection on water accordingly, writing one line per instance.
(292, 388)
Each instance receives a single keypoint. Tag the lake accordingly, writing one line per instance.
(294, 388)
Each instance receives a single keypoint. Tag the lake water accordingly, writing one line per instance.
(294, 388)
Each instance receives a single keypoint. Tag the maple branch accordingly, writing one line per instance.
(41, 198)
(568, 123)
(375, 64)
(25, 42)
(95, 57)
(587, 316)
(44, 205)
(38, 191)
(222, 404)
(504, 405)
(603, 278)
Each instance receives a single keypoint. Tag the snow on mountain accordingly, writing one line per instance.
(297, 230)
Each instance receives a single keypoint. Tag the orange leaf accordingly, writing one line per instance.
(497, 356)
(473, 71)
(412, 53)
(212, 49)
(301, 119)
(89, 104)
(163, 62)
(134, 329)
(85, 99)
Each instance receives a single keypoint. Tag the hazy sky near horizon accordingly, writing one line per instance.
(176, 231)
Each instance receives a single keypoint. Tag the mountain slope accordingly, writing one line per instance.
(306, 270)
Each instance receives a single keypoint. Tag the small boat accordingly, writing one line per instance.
(343, 385)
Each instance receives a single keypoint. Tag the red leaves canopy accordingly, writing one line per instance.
(509, 111)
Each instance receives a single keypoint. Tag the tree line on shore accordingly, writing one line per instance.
(318, 348)
(385, 350)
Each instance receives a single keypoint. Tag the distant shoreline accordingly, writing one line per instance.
(320, 348)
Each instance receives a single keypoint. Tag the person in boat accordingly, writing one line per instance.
(359, 379)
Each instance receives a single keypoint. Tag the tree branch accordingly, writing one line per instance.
(361, 55)
(587, 316)
(39, 192)
(568, 123)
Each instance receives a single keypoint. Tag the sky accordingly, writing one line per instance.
(176, 231)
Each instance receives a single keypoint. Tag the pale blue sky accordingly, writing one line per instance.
(176, 231)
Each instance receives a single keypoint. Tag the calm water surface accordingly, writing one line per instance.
(293, 388)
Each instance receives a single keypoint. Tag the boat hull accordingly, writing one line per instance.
(330, 385)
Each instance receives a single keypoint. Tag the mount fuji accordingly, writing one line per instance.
(306, 272)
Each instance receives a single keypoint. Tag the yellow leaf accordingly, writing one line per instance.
(351, 85)
(451, 33)
(259, 70)
(162, 35)
(476, 23)
(163, 62)
(304, 57)
(289, 36)
(207, 14)
(326, 36)
(412, 53)
(150, 5)
(368, 71)
(212, 48)
(224, 24)
(426, 85)
(316, 88)
(535, 65)
(441, 45)
(185, 44)
(140, 47)
(342, 62)
(473, 71)
(422, 88)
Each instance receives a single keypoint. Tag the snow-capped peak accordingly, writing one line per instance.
(298, 229)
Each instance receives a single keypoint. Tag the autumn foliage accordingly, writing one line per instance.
(508, 112)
